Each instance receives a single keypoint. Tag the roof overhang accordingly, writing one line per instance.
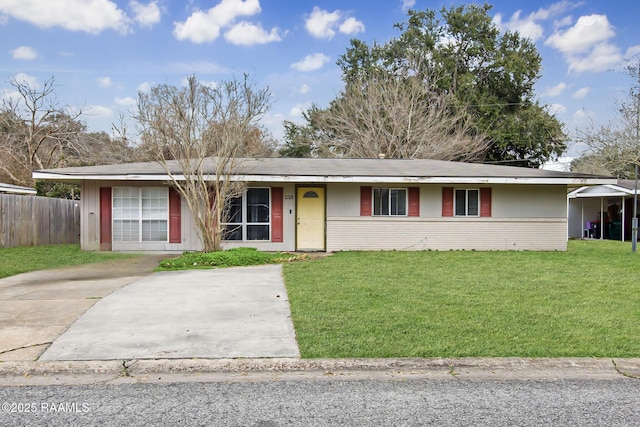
(14, 189)
(337, 179)
(616, 191)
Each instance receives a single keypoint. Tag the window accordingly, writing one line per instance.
(140, 214)
(466, 202)
(249, 216)
(390, 201)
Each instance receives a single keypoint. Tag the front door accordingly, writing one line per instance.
(310, 219)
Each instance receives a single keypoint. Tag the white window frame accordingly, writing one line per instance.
(140, 217)
(244, 224)
(466, 202)
(406, 201)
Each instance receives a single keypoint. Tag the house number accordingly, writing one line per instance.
(288, 196)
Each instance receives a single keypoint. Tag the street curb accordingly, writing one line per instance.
(77, 372)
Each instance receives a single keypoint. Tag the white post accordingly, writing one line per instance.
(622, 219)
(582, 219)
(601, 218)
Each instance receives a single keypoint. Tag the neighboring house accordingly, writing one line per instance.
(602, 211)
(334, 204)
(16, 189)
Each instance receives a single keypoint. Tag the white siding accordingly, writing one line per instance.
(524, 217)
(373, 233)
(529, 201)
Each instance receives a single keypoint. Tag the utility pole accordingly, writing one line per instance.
(634, 220)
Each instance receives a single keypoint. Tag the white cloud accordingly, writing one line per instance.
(104, 81)
(99, 110)
(297, 110)
(305, 88)
(145, 14)
(580, 93)
(582, 118)
(555, 90)
(248, 34)
(529, 26)
(30, 81)
(203, 27)
(92, 17)
(603, 57)
(211, 83)
(311, 62)
(351, 26)
(585, 44)
(408, 4)
(145, 87)
(127, 101)
(587, 32)
(322, 24)
(555, 109)
(632, 52)
(24, 52)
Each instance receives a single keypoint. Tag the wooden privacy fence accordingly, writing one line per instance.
(31, 221)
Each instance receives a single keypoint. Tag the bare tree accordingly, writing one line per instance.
(197, 133)
(614, 147)
(398, 116)
(35, 132)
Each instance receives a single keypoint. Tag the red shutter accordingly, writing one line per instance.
(365, 201)
(414, 201)
(105, 218)
(175, 222)
(447, 201)
(485, 202)
(277, 208)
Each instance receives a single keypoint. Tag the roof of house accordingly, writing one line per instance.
(335, 170)
(16, 189)
(620, 188)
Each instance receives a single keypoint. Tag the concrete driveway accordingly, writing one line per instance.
(37, 307)
(226, 313)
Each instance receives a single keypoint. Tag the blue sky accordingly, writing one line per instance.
(102, 52)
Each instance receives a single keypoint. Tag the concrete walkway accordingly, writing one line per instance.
(226, 313)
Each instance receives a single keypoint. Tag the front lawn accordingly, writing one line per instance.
(31, 258)
(580, 303)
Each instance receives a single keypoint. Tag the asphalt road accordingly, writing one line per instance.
(330, 402)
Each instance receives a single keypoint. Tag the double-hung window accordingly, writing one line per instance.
(467, 202)
(390, 201)
(249, 216)
(140, 214)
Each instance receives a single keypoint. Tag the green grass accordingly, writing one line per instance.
(581, 303)
(23, 259)
(236, 257)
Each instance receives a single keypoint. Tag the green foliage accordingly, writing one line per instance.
(579, 303)
(491, 73)
(60, 190)
(31, 258)
(236, 257)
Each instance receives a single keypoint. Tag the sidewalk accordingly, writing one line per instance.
(292, 369)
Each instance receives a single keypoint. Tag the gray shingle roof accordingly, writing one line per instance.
(327, 168)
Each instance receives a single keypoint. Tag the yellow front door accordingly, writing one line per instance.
(310, 219)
